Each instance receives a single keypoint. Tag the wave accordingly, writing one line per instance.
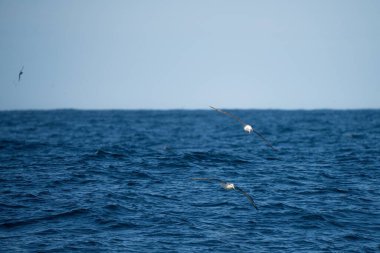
(11, 206)
(211, 204)
(21, 145)
(68, 214)
(213, 157)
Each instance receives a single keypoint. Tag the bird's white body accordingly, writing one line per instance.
(248, 128)
(229, 186)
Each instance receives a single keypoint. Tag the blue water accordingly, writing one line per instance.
(121, 181)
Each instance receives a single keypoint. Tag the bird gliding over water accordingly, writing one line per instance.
(229, 186)
(247, 128)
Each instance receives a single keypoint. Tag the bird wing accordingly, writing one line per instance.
(20, 73)
(209, 179)
(229, 115)
(265, 140)
(250, 199)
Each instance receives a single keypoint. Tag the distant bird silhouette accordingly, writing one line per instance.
(20, 73)
(247, 128)
(229, 186)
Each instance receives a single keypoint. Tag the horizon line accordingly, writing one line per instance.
(189, 109)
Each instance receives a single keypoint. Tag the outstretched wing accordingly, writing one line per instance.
(265, 140)
(229, 115)
(209, 179)
(250, 199)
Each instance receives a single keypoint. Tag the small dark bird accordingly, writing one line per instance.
(247, 128)
(229, 186)
(20, 73)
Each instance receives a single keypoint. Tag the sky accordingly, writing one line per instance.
(161, 54)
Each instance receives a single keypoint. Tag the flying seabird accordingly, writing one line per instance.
(20, 73)
(247, 128)
(229, 186)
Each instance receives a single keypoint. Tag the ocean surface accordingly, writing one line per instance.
(102, 181)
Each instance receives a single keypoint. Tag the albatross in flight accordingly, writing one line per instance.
(20, 73)
(229, 186)
(247, 128)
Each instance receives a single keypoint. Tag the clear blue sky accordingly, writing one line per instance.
(190, 54)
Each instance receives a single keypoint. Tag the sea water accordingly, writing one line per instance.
(73, 180)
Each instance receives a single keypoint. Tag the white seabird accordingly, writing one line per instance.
(247, 128)
(229, 186)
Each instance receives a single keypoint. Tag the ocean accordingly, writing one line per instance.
(121, 181)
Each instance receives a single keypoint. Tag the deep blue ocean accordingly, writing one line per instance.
(98, 181)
